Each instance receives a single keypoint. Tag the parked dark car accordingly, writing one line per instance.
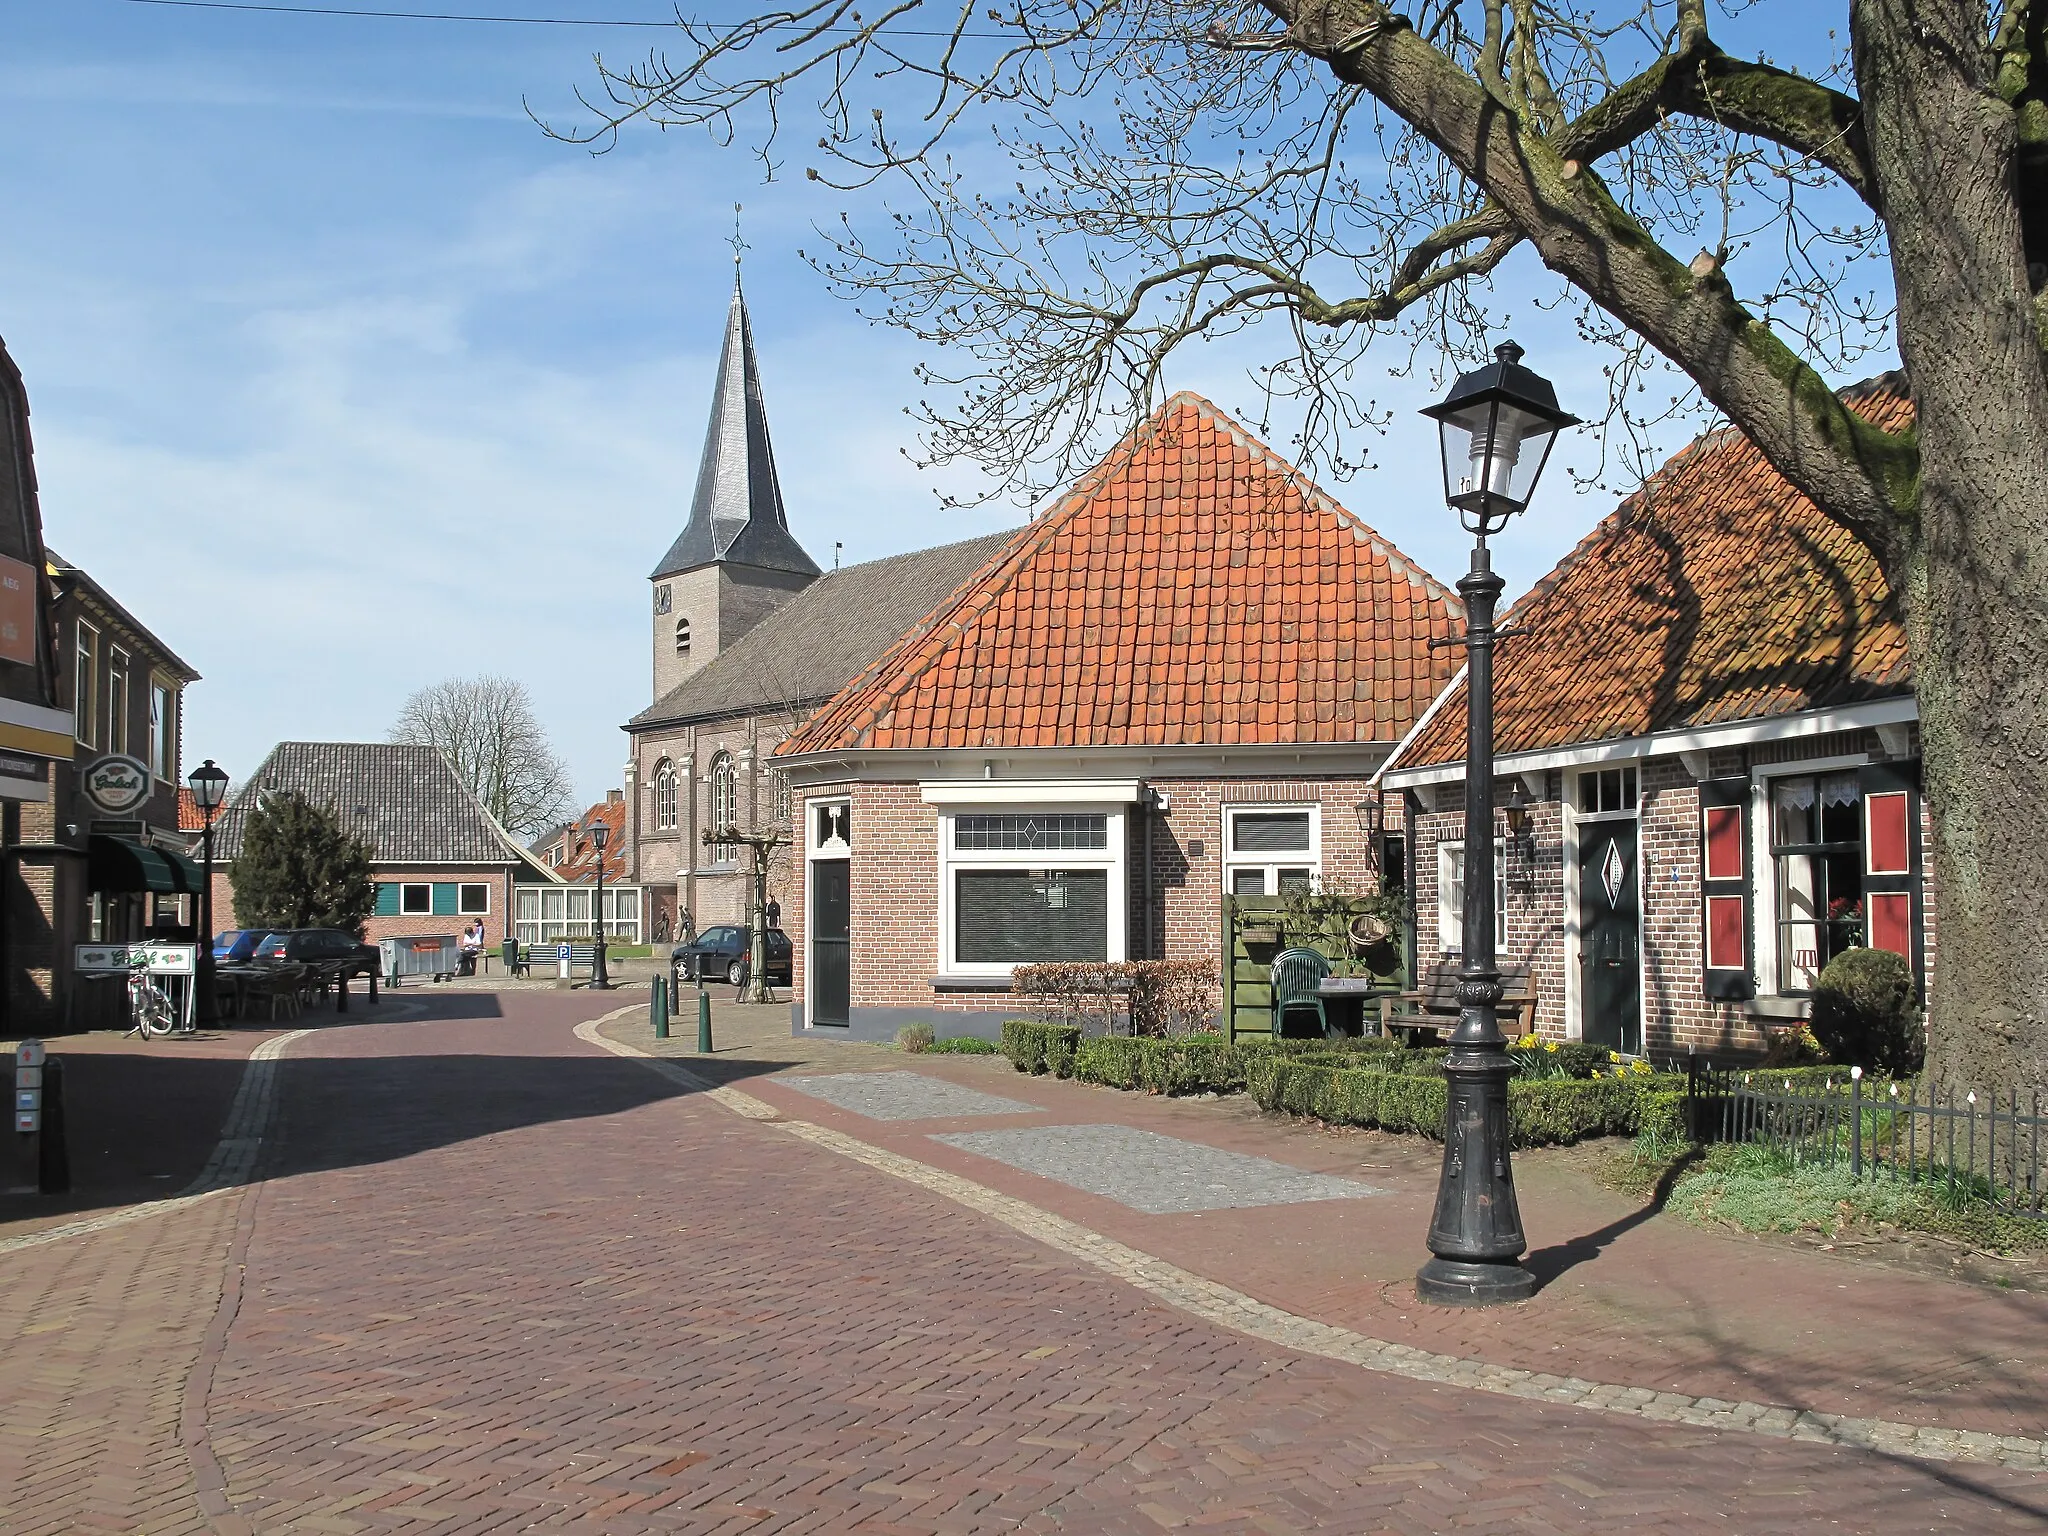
(312, 946)
(725, 951)
(233, 946)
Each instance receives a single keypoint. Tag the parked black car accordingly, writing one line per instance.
(309, 946)
(725, 950)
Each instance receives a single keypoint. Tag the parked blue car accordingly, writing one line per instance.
(237, 944)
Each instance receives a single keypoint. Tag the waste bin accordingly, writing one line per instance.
(438, 955)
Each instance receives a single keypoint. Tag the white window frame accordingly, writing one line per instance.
(667, 798)
(407, 886)
(1110, 858)
(724, 782)
(1273, 864)
(163, 729)
(1763, 892)
(85, 682)
(834, 846)
(118, 661)
(1450, 916)
(1572, 819)
(462, 886)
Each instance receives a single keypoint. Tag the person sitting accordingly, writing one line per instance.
(471, 947)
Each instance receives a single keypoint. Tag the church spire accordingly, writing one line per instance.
(736, 516)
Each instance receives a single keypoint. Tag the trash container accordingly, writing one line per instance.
(438, 955)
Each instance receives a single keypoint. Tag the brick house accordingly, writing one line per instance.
(36, 733)
(546, 914)
(1710, 725)
(748, 638)
(439, 859)
(1177, 682)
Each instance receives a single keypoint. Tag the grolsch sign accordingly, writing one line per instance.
(117, 784)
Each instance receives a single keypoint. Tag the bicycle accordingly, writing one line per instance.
(150, 1008)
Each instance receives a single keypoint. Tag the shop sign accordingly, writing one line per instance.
(17, 611)
(159, 959)
(116, 784)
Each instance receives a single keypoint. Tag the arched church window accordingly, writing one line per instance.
(724, 795)
(682, 637)
(665, 796)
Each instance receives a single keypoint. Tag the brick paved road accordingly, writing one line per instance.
(501, 1282)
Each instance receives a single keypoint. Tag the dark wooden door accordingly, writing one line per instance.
(1610, 976)
(831, 917)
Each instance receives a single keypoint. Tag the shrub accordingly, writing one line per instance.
(914, 1038)
(1864, 1013)
(1038, 1047)
(964, 1045)
(1144, 997)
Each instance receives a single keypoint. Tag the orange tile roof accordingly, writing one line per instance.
(1194, 588)
(579, 862)
(1717, 592)
(189, 817)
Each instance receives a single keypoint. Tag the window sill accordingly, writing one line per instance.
(1788, 1008)
(960, 982)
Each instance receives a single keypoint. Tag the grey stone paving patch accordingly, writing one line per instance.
(903, 1096)
(1153, 1173)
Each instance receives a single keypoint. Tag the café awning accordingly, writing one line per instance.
(116, 864)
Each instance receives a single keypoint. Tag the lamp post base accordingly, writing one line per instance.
(1462, 1283)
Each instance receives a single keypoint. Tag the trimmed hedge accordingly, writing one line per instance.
(1039, 1048)
(1541, 1112)
(963, 1045)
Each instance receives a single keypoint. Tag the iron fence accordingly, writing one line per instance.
(1977, 1147)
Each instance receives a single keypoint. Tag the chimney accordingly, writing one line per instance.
(614, 796)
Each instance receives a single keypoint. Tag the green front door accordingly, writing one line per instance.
(1610, 979)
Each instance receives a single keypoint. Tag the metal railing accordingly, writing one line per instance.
(1978, 1147)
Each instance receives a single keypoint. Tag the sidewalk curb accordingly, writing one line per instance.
(1246, 1315)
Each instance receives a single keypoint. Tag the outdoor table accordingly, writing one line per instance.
(1352, 1002)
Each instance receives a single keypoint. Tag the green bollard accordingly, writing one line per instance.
(657, 1007)
(703, 1020)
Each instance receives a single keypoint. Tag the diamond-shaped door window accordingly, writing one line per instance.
(1613, 870)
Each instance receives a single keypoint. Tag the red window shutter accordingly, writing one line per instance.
(1892, 917)
(1725, 971)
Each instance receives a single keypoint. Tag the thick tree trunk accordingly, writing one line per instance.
(1972, 574)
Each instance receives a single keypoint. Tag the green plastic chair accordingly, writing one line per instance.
(1296, 975)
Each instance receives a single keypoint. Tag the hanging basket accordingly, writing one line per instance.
(1264, 936)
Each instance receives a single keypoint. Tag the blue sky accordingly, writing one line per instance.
(346, 379)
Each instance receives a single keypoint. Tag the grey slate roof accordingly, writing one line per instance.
(737, 513)
(824, 637)
(404, 800)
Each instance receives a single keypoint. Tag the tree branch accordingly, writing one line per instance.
(1866, 477)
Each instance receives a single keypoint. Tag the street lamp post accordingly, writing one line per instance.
(600, 977)
(209, 788)
(1497, 427)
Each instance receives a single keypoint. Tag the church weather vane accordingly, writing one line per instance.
(738, 243)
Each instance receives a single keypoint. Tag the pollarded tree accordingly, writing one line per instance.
(1181, 167)
(299, 867)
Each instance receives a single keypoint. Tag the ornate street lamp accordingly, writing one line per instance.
(209, 788)
(600, 977)
(1498, 425)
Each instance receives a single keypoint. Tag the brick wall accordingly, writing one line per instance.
(1676, 1011)
(895, 879)
(497, 921)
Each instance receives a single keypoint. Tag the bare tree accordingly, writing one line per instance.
(1134, 174)
(487, 728)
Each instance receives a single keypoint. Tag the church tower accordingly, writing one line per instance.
(735, 559)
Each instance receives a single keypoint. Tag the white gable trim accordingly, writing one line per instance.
(1734, 733)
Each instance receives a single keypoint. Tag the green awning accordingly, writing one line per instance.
(116, 864)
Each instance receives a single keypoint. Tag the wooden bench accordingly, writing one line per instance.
(1438, 996)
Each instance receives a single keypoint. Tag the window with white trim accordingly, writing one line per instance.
(831, 828)
(1606, 791)
(416, 900)
(117, 700)
(1027, 887)
(163, 730)
(724, 800)
(1817, 868)
(778, 796)
(473, 900)
(1271, 850)
(84, 681)
(1450, 896)
(665, 797)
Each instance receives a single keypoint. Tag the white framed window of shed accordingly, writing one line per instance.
(1272, 850)
(1028, 887)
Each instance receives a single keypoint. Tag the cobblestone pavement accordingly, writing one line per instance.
(497, 1280)
(500, 1283)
